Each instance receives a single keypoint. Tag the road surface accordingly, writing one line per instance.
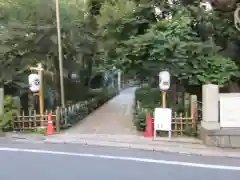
(27, 161)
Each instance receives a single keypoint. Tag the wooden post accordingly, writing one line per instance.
(193, 104)
(164, 99)
(41, 92)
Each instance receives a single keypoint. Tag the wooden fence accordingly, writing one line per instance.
(34, 122)
(183, 124)
(61, 117)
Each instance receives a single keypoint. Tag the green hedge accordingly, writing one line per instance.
(148, 98)
(96, 98)
(7, 118)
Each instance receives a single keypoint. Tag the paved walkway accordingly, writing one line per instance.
(114, 117)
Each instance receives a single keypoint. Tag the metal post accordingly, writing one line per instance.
(60, 54)
(119, 80)
(1, 107)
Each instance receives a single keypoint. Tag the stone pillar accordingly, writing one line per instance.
(210, 109)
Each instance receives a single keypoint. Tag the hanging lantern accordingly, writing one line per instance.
(34, 82)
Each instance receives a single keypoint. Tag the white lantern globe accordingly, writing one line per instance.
(164, 80)
(34, 82)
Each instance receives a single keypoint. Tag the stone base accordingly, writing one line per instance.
(224, 137)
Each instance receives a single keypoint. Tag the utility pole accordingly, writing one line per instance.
(60, 55)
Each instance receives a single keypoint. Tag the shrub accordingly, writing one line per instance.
(140, 121)
(94, 92)
(148, 97)
(7, 118)
(100, 96)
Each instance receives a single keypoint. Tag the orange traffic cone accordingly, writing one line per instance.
(50, 128)
(149, 126)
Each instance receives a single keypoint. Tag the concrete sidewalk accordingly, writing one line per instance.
(114, 117)
(189, 146)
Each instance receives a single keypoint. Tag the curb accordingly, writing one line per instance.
(27, 137)
(140, 146)
(144, 147)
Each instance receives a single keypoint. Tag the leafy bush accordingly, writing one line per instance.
(7, 118)
(148, 97)
(100, 96)
(94, 92)
(140, 121)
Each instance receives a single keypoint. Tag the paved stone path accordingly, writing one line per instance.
(114, 117)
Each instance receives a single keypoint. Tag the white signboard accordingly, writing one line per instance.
(163, 119)
(34, 82)
(230, 110)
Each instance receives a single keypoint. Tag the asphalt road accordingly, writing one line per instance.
(77, 162)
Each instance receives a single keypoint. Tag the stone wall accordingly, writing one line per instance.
(211, 133)
(224, 138)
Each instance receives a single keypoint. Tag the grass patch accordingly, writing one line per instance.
(39, 131)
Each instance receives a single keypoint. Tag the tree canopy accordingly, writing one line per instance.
(195, 45)
(28, 35)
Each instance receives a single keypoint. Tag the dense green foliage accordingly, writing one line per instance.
(7, 117)
(193, 45)
(197, 47)
(148, 97)
(28, 35)
(146, 100)
(99, 96)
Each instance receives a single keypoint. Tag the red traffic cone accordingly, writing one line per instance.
(50, 128)
(149, 126)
